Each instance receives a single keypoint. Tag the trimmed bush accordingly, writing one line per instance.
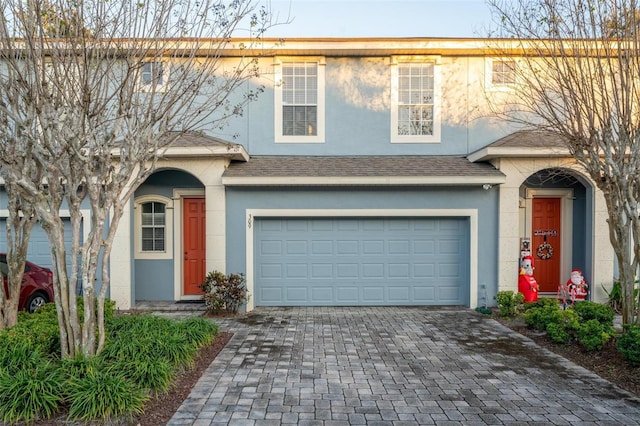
(541, 303)
(540, 317)
(509, 302)
(594, 311)
(629, 344)
(562, 325)
(593, 334)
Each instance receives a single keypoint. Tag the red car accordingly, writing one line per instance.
(37, 285)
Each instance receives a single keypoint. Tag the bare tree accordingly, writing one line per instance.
(579, 78)
(107, 86)
(18, 230)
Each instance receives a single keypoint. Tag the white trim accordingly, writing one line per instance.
(361, 180)
(137, 228)
(277, 98)
(472, 214)
(178, 273)
(489, 85)
(566, 223)
(64, 213)
(154, 87)
(490, 152)
(437, 100)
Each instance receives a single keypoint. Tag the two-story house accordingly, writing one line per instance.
(369, 172)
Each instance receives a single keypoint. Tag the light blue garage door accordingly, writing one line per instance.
(39, 252)
(361, 261)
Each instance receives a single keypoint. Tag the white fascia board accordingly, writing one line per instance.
(489, 153)
(237, 152)
(363, 180)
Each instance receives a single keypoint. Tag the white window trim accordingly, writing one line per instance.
(488, 76)
(472, 214)
(279, 137)
(168, 223)
(437, 100)
(158, 88)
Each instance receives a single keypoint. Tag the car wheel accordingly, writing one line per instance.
(35, 301)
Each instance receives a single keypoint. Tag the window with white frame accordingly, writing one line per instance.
(152, 76)
(153, 220)
(415, 97)
(153, 226)
(299, 101)
(503, 72)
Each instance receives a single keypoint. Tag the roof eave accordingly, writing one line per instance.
(233, 152)
(363, 180)
(490, 153)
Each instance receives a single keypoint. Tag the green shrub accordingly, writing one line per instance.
(200, 331)
(103, 395)
(588, 310)
(509, 302)
(30, 393)
(224, 293)
(593, 334)
(541, 303)
(562, 325)
(540, 317)
(142, 355)
(148, 372)
(629, 344)
(39, 328)
(18, 353)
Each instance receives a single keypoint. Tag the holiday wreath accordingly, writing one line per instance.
(545, 251)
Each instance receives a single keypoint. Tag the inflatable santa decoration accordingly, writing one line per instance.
(527, 284)
(576, 286)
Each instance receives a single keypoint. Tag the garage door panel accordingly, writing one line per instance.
(269, 247)
(346, 270)
(39, 251)
(361, 261)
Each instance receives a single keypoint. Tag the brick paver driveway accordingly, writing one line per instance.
(393, 366)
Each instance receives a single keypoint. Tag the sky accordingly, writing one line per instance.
(380, 18)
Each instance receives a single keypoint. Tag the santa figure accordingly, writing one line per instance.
(527, 285)
(576, 286)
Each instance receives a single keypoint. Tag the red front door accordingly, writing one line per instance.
(194, 245)
(545, 243)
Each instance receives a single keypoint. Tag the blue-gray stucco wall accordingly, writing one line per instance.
(358, 114)
(486, 202)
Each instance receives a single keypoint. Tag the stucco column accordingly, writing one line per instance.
(603, 260)
(121, 263)
(509, 238)
(216, 224)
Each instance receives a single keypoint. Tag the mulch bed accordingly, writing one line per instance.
(607, 363)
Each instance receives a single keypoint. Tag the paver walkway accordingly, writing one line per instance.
(394, 366)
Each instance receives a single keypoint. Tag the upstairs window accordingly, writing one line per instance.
(503, 72)
(152, 76)
(300, 102)
(415, 102)
(153, 227)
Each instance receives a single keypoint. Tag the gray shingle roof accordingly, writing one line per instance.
(195, 139)
(360, 166)
(529, 139)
